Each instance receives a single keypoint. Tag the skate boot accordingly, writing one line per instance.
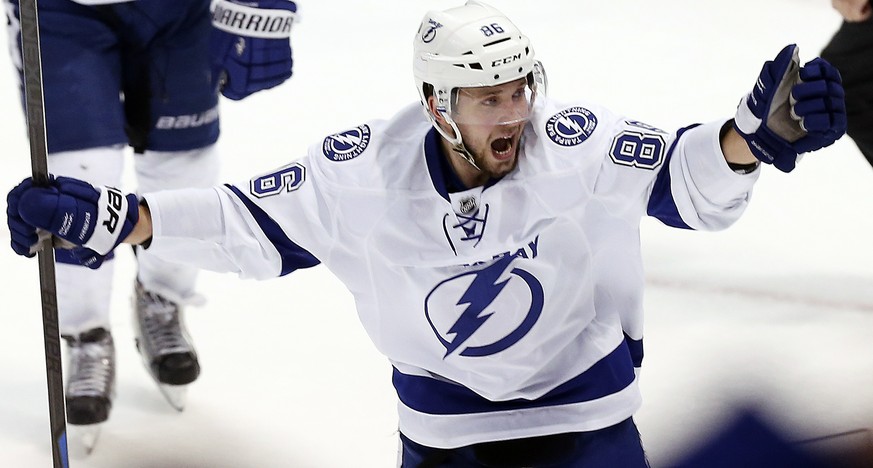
(164, 344)
(91, 383)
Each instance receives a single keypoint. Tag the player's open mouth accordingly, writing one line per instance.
(502, 147)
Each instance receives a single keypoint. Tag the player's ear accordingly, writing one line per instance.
(438, 116)
(432, 108)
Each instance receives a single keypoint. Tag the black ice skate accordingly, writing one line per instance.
(164, 344)
(90, 385)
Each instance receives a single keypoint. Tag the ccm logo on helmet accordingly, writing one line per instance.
(505, 60)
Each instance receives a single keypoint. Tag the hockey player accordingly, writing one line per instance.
(849, 51)
(491, 244)
(143, 73)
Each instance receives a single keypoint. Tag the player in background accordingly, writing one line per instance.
(851, 51)
(491, 242)
(147, 74)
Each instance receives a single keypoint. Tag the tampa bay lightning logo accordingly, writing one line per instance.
(347, 145)
(431, 31)
(571, 126)
(483, 312)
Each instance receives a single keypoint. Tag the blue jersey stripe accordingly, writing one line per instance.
(609, 375)
(661, 203)
(293, 256)
(636, 350)
(433, 157)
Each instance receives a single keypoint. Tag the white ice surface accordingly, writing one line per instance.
(777, 310)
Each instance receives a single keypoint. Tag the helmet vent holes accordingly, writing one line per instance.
(472, 66)
(496, 77)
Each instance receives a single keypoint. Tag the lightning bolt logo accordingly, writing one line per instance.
(347, 145)
(481, 293)
(348, 139)
(478, 299)
(572, 124)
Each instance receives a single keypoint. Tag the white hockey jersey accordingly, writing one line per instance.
(503, 308)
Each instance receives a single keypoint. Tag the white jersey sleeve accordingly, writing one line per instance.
(697, 189)
(212, 229)
(681, 177)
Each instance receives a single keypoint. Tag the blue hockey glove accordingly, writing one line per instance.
(94, 220)
(250, 45)
(792, 109)
(24, 236)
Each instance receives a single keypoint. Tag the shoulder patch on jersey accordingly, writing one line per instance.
(285, 179)
(571, 126)
(637, 149)
(346, 145)
(643, 125)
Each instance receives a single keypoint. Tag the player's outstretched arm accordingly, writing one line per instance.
(736, 150)
(791, 110)
(142, 230)
(91, 220)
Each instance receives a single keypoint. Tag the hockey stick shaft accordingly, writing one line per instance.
(35, 109)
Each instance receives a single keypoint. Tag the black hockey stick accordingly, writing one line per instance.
(35, 108)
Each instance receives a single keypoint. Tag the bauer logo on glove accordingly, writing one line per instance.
(792, 109)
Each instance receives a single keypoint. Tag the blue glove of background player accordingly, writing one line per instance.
(95, 220)
(250, 45)
(792, 109)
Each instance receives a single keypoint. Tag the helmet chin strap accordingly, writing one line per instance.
(462, 150)
(457, 142)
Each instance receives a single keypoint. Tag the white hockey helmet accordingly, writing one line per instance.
(470, 46)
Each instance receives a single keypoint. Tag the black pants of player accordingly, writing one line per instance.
(851, 51)
(611, 447)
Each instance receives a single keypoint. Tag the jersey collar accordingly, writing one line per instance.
(444, 178)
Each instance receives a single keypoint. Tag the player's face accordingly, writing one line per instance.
(491, 120)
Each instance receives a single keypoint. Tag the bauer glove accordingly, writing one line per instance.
(250, 45)
(93, 220)
(792, 109)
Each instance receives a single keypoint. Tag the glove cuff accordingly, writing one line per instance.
(116, 216)
(248, 21)
(745, 121)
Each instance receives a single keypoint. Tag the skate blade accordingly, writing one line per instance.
(176, 395)
(82, 439)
